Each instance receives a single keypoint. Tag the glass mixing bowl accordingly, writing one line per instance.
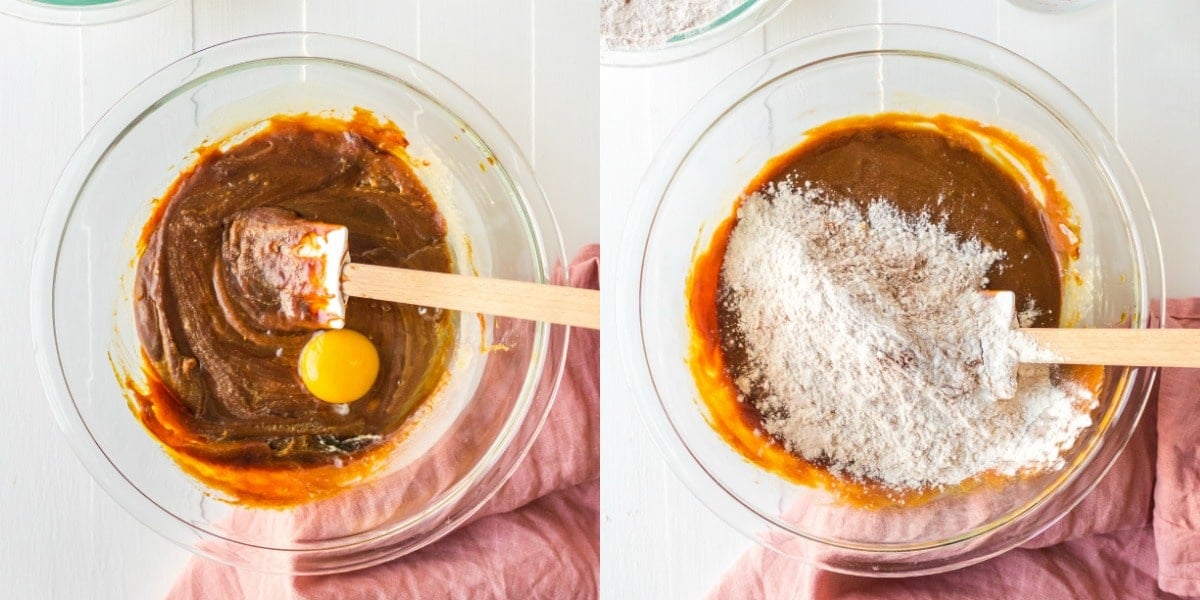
(761, 111)
(730, 26)
(79, 12)
(500, 224)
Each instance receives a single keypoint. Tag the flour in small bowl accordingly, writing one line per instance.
(870, 348)
(638, 24)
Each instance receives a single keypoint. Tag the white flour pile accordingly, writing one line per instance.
(650, 23)
(872, 350)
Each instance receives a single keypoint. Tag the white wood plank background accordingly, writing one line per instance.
(531, 62)
(1137, 64)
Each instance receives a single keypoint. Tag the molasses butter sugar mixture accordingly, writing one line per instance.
(847, 324)
(230, 387)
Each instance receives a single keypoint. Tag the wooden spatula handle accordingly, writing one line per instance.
(518, 299)
(1122, 347)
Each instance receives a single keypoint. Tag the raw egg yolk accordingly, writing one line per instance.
(339, 365)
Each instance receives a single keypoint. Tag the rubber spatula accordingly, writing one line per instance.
(300, 269)
(1104, 346)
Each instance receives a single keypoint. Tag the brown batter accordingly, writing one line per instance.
(922, 165)
(225, 391)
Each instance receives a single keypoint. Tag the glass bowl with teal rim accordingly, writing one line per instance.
(738, 21)
(79, 12)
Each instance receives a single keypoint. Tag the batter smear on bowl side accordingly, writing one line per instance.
(223, 391)
(841, 334)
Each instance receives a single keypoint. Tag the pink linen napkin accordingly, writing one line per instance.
(539, 537)
(1137, 535)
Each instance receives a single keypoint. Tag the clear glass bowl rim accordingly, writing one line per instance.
(912, 40)
(497, 465)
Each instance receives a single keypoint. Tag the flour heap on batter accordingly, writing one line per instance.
(868, 347)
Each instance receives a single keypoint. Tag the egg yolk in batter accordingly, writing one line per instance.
(339, 365)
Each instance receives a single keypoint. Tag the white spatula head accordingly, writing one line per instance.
(285, 271)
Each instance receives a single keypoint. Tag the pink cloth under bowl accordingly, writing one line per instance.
(538, 538)
(1137, 535)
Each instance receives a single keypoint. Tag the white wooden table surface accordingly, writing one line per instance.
(1136, 63)
(531, 62)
